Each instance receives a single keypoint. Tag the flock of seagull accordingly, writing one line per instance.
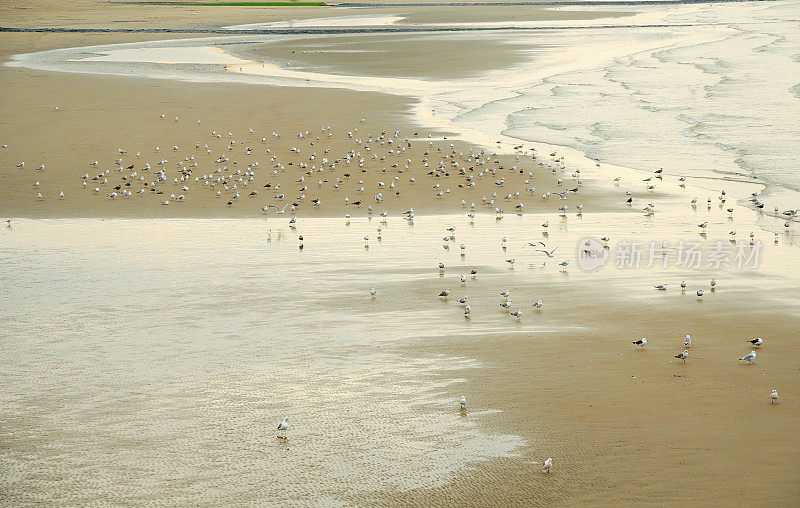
(368, 174)
(687, 343)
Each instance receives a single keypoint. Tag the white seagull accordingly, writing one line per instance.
(756, 342)
(773, 397)
(749, 357)
(683, 355)
(283, 427)
(547, 465)
(641, 342)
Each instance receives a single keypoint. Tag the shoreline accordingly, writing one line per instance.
(425, 115)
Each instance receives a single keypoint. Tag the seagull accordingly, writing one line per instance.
(683, 355)
(517, 314)
(505, 305)
(773, 397)
(549, 254)
(506, 293)
(641, 342)
(511, 262)
(463, 401)
(282, 427)
(372, 292)
(683, 285)
(444, 294)
(687, 341)
(699, 293)
(462, 300)
(547, 465)
(531, 244)
(756, 342)
(661, 287)
(473, 272)
(8, 223)
(538, 304)
(713, 283)
(564, 264)
(467, 310)
(749, 357)
(463, 279)
(703, 225)
(441, 266)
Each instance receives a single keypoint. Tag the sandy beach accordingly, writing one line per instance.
(150, 350)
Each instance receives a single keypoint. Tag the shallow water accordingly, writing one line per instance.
(143, 362)
(150, 361)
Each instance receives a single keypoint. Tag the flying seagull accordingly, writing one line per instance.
(549, 254)
(532, 244)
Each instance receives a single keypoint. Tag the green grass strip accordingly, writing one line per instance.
(236, 4)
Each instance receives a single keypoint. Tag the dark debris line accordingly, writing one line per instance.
(324, 31)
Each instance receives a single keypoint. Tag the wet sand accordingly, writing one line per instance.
(623, 425)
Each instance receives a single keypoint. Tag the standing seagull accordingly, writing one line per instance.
(641, 342)
(683, 355)
(444, 294)
(687, 341)
(547, 465)
(283, 427)
(463, 401)
(773, 397)
(756, 342)
(749, 357)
